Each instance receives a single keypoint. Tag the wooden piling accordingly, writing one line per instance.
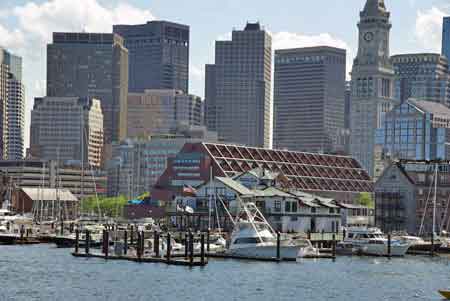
(186, 245)
(191, 248)
(142, 242)
(333, 246)
(202, 250)
(156, 244)
(168, 247)
(278, 246)
(132, 236)
(77, 242)
(432, 245)
(87, 242)
(207, 240)
(125, 242)
(106, 243)
(138, 246)
(389, 245)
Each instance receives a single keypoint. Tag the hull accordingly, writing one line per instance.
(65, 242)
(382, 250)
(287, 252)
(426, 247)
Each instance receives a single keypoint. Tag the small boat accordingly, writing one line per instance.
(372, 241)
(445, 294)
(253, 237)
(417, 244)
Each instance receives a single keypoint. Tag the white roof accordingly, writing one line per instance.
(49, 194)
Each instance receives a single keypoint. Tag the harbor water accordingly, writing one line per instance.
(43, 272)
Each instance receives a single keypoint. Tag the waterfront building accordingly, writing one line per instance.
(137, 164)
(156, 112)
(404, 196)
(91, 65)
(238, 88)
(51, 174)
(158, 55)
(372, 82)
(422, 76)
(446, 37)
(341, 178)
(347, 116)
(309, 99)
(67, 129)
(286, 210)
(414, 130)
(46, 204)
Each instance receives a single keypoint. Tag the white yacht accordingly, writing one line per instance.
(371, 241)
(252, 236)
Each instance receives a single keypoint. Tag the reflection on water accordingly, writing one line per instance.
(46, 273)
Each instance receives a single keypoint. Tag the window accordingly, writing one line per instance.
(294, 218)
(277, 206)
(287, 207)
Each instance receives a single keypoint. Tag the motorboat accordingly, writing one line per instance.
(418, 244)
(371, 241)
(253, 237)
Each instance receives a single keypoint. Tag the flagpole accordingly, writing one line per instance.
(209, 202)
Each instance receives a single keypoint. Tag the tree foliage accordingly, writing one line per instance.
(365, 199)
(111, 207)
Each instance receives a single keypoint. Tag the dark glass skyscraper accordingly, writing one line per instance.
(309, 101)
(158, 55)
(446, 37)
(237, 88)
(92, 65)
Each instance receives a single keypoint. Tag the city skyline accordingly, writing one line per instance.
(288, 30)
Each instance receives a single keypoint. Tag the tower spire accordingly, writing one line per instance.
(375, 8)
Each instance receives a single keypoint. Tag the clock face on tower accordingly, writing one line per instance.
(368, 36)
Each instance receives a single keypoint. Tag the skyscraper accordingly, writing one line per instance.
(67, 129)
(158, 55)
(238, 88)
(309, 99)
(160, 111)
(12, 95)
(446, 37)
(422, 76)
(91, 65)
(372, 82)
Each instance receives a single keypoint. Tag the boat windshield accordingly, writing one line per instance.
(252, 240)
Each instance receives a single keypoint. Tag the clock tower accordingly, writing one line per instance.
(372, 83)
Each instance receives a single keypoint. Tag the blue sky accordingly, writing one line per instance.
(26, 26)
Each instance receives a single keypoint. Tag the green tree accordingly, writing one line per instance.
(111, 207)
(365, 199)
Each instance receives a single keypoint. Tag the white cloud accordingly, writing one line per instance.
(37, 21)
(428, 29)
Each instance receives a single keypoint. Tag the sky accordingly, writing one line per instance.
(26, 27)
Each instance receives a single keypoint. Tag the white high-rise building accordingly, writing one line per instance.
(372, 82)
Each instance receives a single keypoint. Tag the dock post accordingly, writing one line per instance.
(142, 242)
(168, 247)
(87, 242)
(125, 242)
(191, 248)
(103, 240)
(106, 244)
(278, 246)
(186, 244)
(132, 236)
(207, 240)
(389, 245)
(432, 245)
(77, 242)
(156, 243)
(22, 232)
(138, 246)
(333, 246)
(202, 250)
